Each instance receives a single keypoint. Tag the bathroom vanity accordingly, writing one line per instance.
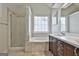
(60, 45)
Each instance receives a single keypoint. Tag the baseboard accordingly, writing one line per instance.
(3, 54)
(17, 48)
(5, 51)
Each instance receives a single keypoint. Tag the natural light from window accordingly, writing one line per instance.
(63, 25)
(55, 25)
(40, 24)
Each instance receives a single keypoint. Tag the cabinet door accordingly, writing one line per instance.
(77, 51)
(60, 48)
(54, 46)
(68, 50)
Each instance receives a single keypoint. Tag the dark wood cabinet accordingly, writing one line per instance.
(68, 50)
(60, 48)
(76, 51)
(53, 45)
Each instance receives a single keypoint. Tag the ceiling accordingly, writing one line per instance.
(20, 8)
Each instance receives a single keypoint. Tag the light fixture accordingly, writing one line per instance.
(57, 5)
(65, 5)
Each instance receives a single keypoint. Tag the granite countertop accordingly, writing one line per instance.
(72, 40)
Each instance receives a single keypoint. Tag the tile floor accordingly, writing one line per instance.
(32, 49)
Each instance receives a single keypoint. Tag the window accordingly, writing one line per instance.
(54, 20)
(56, 27)
(40, 24)
(54, 24)
(63, 24)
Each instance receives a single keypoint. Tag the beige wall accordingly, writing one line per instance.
(3, 29)
(3, 38)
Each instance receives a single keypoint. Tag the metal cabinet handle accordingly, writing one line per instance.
(75, 51)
